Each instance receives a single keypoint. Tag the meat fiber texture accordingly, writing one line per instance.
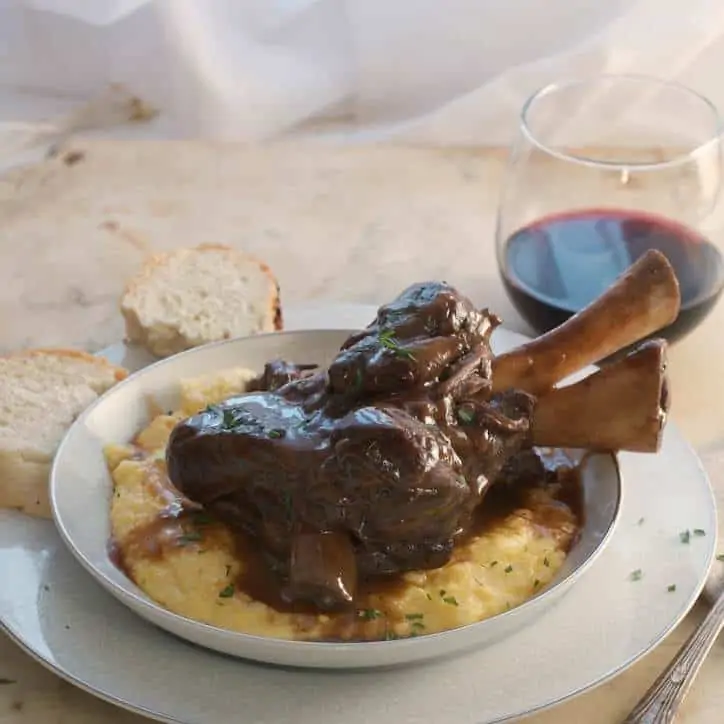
(373, 466)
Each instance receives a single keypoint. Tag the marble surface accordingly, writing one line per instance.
(343, 225)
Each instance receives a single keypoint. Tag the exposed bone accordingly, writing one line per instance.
(623, 406)
(643, 300)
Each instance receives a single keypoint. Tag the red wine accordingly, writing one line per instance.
(560, 263)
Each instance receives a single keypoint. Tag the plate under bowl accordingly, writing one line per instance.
(80, 489)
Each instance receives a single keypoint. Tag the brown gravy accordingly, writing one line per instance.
(553, 501)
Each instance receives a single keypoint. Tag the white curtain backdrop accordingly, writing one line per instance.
(433, 71)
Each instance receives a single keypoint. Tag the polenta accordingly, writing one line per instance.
(192, 565)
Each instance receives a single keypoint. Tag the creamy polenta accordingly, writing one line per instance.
(192, 565)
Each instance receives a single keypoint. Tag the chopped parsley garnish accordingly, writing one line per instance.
(414, 616)
(442, 592)
(391, 636)
(358, 380)
(720, 556)
(685, 536)
(671, 588)
(287, 502)
(536, 583)
(429, 597)
(229, 419)
(227, 592)
(465, 415)
(699, 532)
(276, 434)
(193, 536)
(509, 569)
(636, 575)
(417, 626)
(493, 564)
(450, 600)
(387, 340)
(546, 562)
(369, 614)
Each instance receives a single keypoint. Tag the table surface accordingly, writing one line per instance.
(352, 225)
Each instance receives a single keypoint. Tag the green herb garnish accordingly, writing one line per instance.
(450, 600)
(414, 616)
(636, 575)
(699, 532)
(465, 415)
(369, 614)
(509, 569)
(536, 583)
(387, 340)
(276, 434)
(228, 419)
(546, 562)
(429, 597)
(227, 592)
(493, 564)
(287, 502)
(193, 536)
(671, 588)
(685, 536)
(720, 556)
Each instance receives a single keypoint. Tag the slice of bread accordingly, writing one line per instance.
(42, 392)
(189, 297)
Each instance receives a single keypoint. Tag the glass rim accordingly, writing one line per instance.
(677, 160)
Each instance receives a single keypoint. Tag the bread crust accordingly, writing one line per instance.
(119, 373)
(163, 341)
(24, 471)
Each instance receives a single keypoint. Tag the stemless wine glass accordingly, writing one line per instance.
(603, 170)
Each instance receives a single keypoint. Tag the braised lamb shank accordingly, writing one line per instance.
(376, 465)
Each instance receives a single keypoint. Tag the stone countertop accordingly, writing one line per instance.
(353, 225)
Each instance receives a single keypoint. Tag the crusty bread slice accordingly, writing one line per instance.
(189, 297)
(42, 391)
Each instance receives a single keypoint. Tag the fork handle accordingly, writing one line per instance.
(661, 702)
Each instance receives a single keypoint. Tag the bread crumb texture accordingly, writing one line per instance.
(190, 297)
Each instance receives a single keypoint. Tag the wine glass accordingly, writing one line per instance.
(603, 170)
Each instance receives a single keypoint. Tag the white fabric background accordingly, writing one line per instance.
(440, 71)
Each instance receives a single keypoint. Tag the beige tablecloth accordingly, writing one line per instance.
(342, 225)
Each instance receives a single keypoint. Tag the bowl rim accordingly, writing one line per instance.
(137, 600)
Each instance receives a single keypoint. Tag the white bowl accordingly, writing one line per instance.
(80, 490)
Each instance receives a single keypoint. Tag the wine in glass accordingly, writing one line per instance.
(602, 171)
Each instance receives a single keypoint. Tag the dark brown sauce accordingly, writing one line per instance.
(552, 497)
(559, 480)
(175, 526)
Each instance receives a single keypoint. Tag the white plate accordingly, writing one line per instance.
(59, 615)
(81, 490)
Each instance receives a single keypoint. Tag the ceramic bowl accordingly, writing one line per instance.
(80, 488)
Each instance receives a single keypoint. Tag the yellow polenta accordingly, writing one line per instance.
(492, 572)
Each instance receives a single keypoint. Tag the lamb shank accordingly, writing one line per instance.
(376, 465)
